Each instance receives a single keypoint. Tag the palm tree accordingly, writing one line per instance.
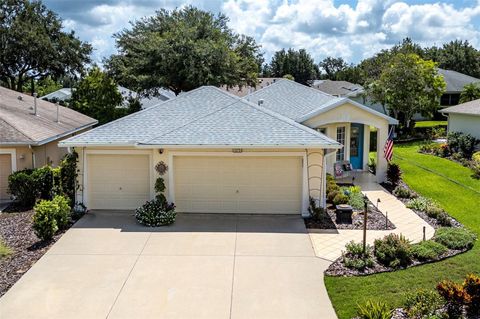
(470, 92)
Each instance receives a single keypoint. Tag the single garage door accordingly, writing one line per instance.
(5, 171)
(244, 184)
(118, 181)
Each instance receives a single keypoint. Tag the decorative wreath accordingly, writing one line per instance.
(161, 168)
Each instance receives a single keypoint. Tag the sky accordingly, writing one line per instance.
(351, 29)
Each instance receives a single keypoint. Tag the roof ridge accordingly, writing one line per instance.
(138, 112)
(274, 114)
(288, 81)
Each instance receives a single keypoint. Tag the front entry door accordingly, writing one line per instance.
(356, 145)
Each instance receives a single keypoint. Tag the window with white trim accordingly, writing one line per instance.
(341, 140)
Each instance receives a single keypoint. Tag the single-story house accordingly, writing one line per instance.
(265, 153)
(30, 130)
(339, 88)
(455, 82)
(464, 118)
(65, 94)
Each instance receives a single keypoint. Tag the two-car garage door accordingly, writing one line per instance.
(238, 184)
(202, 184)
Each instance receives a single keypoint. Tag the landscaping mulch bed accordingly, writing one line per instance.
(375, 220)
(338, 269)
(431, 221)
(17, 233)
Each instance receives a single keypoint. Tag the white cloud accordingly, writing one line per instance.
(322, 27)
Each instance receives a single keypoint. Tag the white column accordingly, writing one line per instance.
(366, 146)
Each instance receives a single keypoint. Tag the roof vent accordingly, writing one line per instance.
(260, 102)
(34, 103)
(19, 98)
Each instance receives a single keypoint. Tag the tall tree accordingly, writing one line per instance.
(410, 85)
(97, 96)
(33, 45)
(298, 64)
(460, 56)
(182, 50)
(470, 92)
(332, 67)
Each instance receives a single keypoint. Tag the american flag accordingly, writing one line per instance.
(388, 149)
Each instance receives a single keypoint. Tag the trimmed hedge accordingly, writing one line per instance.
(455, 238)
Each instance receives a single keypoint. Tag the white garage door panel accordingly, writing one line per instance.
(118, 181)
(5, 171)
(247, 184)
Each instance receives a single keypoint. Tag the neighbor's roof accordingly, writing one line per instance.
(470, 108)
(246, 89)
(164, 94)
(19, 126)
(338, 88)
(300, 102)
(455, 80)
(207, 116)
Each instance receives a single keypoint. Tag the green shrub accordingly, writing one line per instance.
(374, 310)
(372, 165)
(461, 143)
(476, 157)
(454, 296)
(393, 174)
(159, 185)
(420, 203)
(156, 213)
(428, 250)
(68, 176)
(356, 200)
(455, 238)
(331, 195)
(43, 182)
(402, 192)
(44, 219)
(340, 198)
(315, 211)
(422, 303)
(63, 213)
(4, 249)
(393, 251)
(21, 185)
(444, 220)
(354, 257)
(433, 210)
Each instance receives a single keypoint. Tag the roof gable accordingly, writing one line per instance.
(469, 108)
(455, 80)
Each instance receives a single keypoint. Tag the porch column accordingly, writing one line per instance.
(382, 135)
(366, 146)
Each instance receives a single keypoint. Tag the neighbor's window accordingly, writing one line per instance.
(341, 140)
(322, 130)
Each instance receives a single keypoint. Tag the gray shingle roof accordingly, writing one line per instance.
(300, 102)
(338, 88)
(471, 108)
(455, 80)
(18, 124)
(205, 116)
(291, 99)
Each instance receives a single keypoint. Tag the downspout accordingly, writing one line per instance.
(83, 175)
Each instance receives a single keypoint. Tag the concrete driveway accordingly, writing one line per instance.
(204, 266)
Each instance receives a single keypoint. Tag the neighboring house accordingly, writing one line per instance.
(264, 153)
(455, 82)
(464, 118)
(65, 94)
(241, 91)
(29, 135)
(339, 88)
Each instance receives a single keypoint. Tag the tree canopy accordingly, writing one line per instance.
(409, 85)
(97, 96)
(298, 64)
(333, 67)
(470, 92)
(182, 50)
(33, 45)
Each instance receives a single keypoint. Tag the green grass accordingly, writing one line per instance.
(4, 250)
(458, 201)
(430, 123)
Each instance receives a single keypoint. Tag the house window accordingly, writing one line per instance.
(341, 140)
(322, 130)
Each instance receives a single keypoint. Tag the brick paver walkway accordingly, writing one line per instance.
(328, 244)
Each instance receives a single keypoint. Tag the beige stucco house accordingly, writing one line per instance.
(264, 153)
(30, 130)
(464, 118)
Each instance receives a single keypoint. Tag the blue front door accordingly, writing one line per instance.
(356, 145)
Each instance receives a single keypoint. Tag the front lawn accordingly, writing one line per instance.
(459, 201)
(430, 123)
